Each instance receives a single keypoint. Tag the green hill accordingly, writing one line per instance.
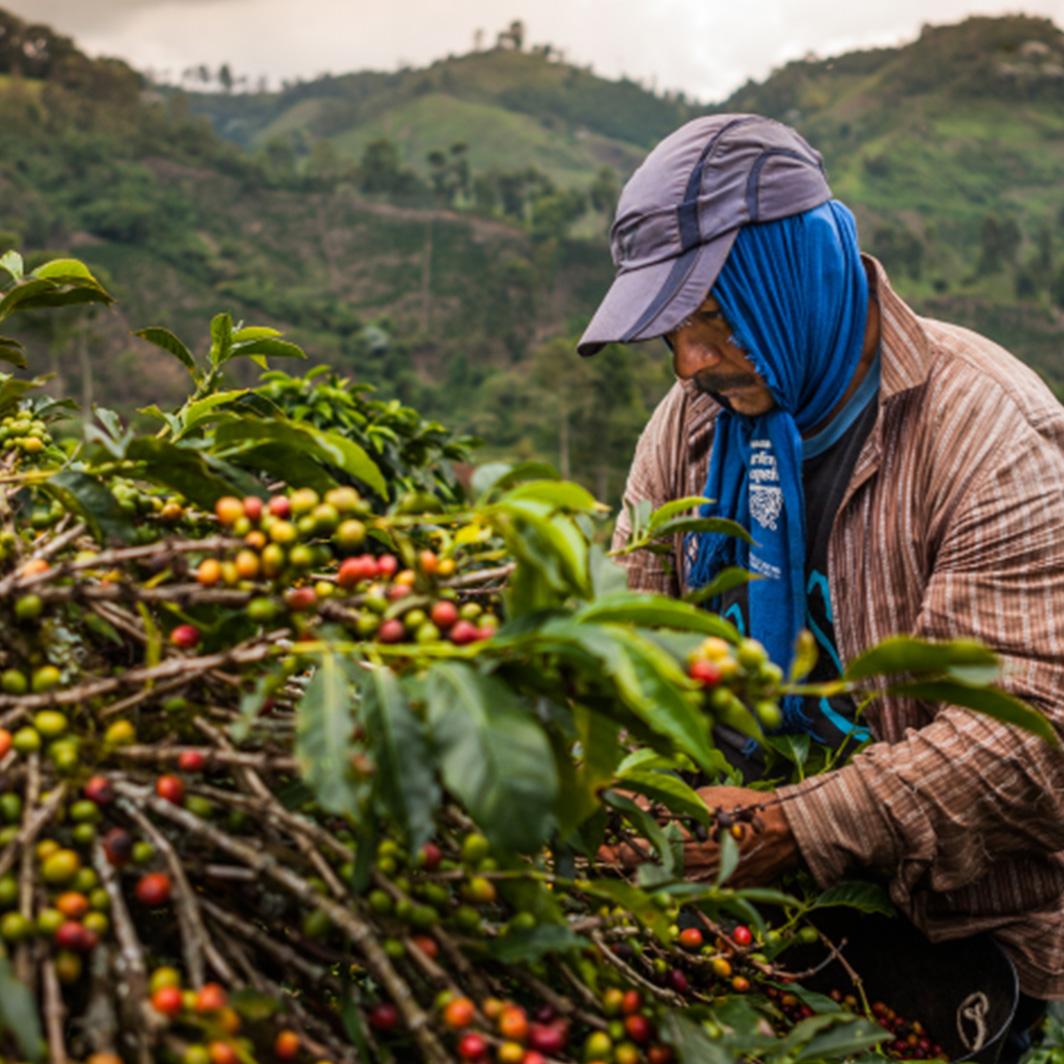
(459, 282)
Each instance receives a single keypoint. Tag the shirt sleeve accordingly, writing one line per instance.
(938, 808)
(652, 476)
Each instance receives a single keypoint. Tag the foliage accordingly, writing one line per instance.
(400, 734)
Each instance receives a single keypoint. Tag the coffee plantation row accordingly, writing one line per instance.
(309, 753)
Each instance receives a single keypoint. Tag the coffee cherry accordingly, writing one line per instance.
(29, 607)
(6, 742)
(103, 1058)
(741, 935)
(721, 968)
(444, 614)
(75, 937)
(45, 679)
(191, 761)
(300, 599)
(383, 1017)
(168, 1000)
(253, 508)
(72, 904)
(638, 1028)
(26, 740)
(513, 1023)
(510, 1053)
(118, 846)
(211, 997)
(660, 1054)
(459, 1013)
(387, 565)
(547, 1038)
(429, 856)
(472, 1046)
(153, 889)
(170, 789)
(222, 1053)
(740, 984)
(463, 632)
(14, 682)
(280, 507)
(532, 1057)
(98, 789)
(632, 1002)
(678, 981)
(598, 1045)
(209, 572)
(185, 636)
(691, 938)
(60, 867)
(228, 509)
(286, 1045)
(391, 631)
(707, 673)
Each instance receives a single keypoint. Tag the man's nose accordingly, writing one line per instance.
(690, 356)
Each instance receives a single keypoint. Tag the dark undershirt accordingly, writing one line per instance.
(824, 481)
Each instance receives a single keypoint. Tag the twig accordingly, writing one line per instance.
(360, 933)
(141, 1020)
(659, 992)
(35, 818)
(195, 942)
(54, 1013)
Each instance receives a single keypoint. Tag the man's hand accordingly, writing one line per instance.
(767, 848)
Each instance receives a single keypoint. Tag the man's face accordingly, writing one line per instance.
(702, 352)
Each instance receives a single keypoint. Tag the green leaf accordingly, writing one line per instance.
(638, 902)
(253, 1004)
(41, 292)
(648, 680)
(865, 897)
(193, 413)
(646, 827)
(550, 547)
(520, 947)
(324, 725)
(255, 332)
(561, 494)
(691, 1042)
(165, 339)
(13, 389)
(844, 1040)
(12, 262)
(18, 1013)
(267, 347)
(240, 433)
(727, 579)
(185, 470)
(493, 755)
(498, 476)
(12, 352)
(721, 525)
(88, 496)
(901, 654)
(221, 338)
(64, 270)
(654, 611)
(987, 700)
(729, 857)
(672, 509)
(668, 790)
(607, 576)
(406, 774)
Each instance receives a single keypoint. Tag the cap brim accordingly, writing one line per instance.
(653, 300)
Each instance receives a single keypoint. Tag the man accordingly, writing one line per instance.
(897, 475)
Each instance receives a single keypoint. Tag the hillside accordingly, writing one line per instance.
(459, 281)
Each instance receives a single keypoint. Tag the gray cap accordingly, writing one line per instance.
(680, 211)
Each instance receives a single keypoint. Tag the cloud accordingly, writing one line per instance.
(705, 48)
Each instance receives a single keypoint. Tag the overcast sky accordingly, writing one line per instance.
(705, 47)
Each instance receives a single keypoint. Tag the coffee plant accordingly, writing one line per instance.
(308, 754)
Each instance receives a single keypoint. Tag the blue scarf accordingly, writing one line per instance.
(795, 294)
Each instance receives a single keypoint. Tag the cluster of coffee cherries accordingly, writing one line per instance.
(735, 676)
(311, 549)
(71, 914)
(28, 439)
(207, 1025)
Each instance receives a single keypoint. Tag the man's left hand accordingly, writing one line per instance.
(767, 847)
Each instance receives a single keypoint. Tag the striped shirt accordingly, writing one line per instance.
(952, 526)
